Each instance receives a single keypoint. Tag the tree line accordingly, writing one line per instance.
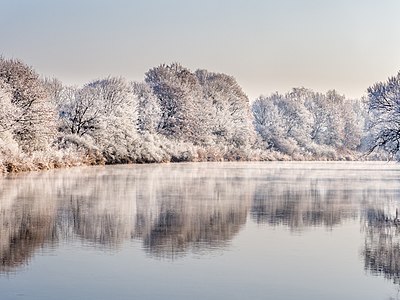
(179, 115)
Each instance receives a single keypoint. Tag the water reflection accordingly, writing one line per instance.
(307, 205)
(103, 207)
(382, 243)
(193, 208)
(27, 222)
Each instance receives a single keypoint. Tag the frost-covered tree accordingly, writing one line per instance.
(335, 125)
(267, 120)
(283, 122)
(58, 96)
(319, 109)
(179, 94)
(104, 111)
(8, 112)
(296, 116)
(337, 121)
(384, 116)
(54, 88)
(79, 110)
(149, 110)
(117, 124)
(8, 109)
(229, 116)
(309, 123)
(33, 124)
(354, 119)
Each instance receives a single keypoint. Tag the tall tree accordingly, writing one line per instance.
(384, 116)
(229, 115)
(179, 95)
(34, 121)
(149, 110)
(267, 120)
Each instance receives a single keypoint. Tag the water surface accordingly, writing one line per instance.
(277, 230)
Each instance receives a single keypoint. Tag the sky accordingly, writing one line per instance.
(267, 45)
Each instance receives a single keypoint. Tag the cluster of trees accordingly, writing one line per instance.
(307, 124)
(174, 115)
(179, 115)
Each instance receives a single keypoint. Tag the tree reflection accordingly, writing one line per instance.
(195, 214)
(178, 230)
(27, 223)
(176, 209)
(104, 207)
(382, 243)
(302, 206)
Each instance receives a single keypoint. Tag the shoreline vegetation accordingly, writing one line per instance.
(176, 115)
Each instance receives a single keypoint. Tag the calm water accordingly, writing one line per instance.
(202, 231)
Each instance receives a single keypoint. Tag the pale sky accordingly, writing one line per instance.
(266, 45)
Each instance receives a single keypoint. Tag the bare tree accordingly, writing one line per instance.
(384, 116)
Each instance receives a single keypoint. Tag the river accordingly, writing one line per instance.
(262, 230)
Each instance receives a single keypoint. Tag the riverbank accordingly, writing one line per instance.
(17, 162)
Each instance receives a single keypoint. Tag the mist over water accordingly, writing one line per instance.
(204, 223)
